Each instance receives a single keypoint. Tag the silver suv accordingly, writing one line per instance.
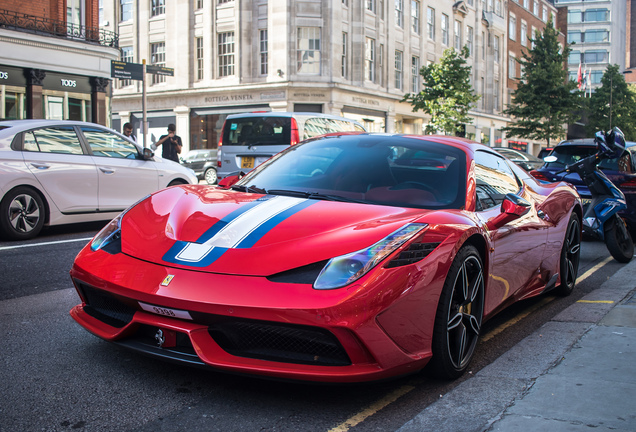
(247, 140)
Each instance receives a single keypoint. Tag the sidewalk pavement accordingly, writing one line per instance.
(576, 373)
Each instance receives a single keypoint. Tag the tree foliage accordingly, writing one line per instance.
(447, 93)
(614, 94)
(545, 100)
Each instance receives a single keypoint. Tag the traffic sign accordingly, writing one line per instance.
(159, 70)
(125, 70)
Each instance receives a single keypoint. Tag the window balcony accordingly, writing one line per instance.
(60, 29)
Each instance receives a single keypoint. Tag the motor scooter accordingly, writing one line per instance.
(600, 218)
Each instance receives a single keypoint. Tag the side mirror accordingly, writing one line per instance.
(148, 154)
(512, 207)
(228, 181)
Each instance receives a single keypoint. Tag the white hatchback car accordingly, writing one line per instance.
(55, 172)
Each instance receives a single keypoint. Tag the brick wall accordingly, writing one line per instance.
(51, 9)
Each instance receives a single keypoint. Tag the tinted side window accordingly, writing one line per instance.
(494, 180)
(104, 143)
(320, 126)
(53, 140)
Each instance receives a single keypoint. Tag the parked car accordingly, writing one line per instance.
(545, 152)
(203, 163)
(523, 159)
(621, 171)
(350, 257)
(58, 172)
(249, 139)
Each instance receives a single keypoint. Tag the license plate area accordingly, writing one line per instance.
(164, 311)
(247, 162)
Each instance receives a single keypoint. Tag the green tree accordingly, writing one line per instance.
(545, 100)
(447, 93)
(612, 104)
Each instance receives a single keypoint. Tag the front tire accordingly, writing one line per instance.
(22, 214)
(618, 240)
(570, 257)
(459, 315)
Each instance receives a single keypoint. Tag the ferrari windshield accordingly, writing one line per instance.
(371, 168)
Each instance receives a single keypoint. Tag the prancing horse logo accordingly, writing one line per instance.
(160, 338)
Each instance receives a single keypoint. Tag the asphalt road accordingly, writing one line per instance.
(57, 377)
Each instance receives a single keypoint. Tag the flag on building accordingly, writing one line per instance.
(579, 77)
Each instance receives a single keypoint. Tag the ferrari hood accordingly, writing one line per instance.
(214, 230)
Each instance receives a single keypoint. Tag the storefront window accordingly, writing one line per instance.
(205, 130)
(14, 106)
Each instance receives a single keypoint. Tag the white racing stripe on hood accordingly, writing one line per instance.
(239, 228)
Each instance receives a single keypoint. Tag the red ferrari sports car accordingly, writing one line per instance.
(348, 257)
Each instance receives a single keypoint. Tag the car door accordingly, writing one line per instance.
(518, 245)
(60, 164)
(124, 176)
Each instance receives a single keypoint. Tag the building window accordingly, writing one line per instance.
(457, 30)
(574, 57)
(596, 15)
(399, 13)
(262, 43)
(199, 4)
(430, 23)
(345, 52)
(544, 14)
(199, 53)
(496, 48)
(158, 7)
(575, 16)
(158, 58)
(575, 36)
(526, 4)
(498, 10)
(415, 16)
(308, 50)
(126, 56)
(345, 3)
(596, 56)
(398, 69)
(100, 13)
(532, 35)
(512, 27)
(370, 5)
(524, 33)
(470, 35)
(226, 54)
(597, 35)
(369, 59)
(535, 8)
(415, 74)
(444, 29)
(512, 66)
(495, 96)
(380, 65)
(126, 10)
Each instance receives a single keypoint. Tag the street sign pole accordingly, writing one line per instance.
(143, 104)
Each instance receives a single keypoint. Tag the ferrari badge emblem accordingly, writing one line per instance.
(167, 280)
(160, 338)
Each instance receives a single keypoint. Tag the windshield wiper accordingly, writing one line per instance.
(250, 189)
(314, 195)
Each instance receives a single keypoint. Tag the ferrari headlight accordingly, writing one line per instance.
(345, 269)
(111, 233)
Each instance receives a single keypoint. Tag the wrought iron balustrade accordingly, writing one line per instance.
(48, 27)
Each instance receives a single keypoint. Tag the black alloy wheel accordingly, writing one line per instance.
(22, 214)
(570, 257)
(459, 315)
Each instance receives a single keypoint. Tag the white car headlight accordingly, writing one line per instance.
(345, 269)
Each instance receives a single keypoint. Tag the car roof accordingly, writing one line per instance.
(15, 126)
(587, 142)
(288, 114)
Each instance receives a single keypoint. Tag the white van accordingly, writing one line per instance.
(249, 139)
